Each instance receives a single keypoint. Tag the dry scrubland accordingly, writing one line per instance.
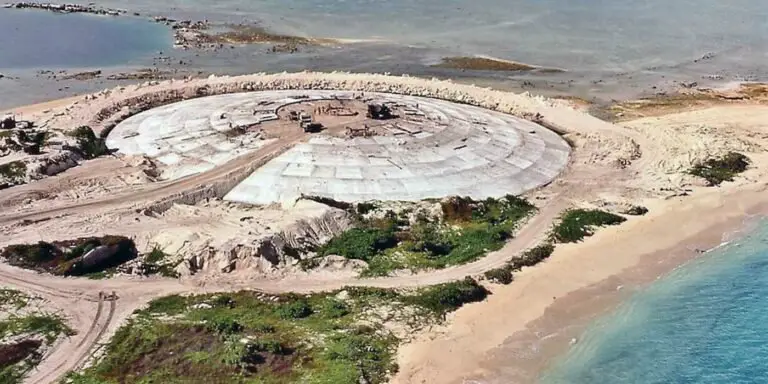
(641, 171)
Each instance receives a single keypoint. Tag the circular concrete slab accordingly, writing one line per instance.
(433, 149)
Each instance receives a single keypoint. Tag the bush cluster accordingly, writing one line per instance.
(576, 224)
(529, 258)
(532, 257)
(500, 275)
(298, 308)
(443, 298)
(718, 170)
(88, 143)
(155, 264)
(359, 243)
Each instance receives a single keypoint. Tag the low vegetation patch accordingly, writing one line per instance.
(500, 275)
(68, 258)
(342, 337)
(576, 224)
(12, 173)
(529, 258)
(444, 298)
(717, 170)
(25, 331)
(89, 145)
(157, 262)
(466, 230)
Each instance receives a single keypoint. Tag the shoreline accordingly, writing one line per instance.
(526, 326)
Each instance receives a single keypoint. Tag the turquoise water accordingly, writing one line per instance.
(45, 40)
(705, 323)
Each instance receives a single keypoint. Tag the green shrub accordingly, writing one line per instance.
(154, 264)
(295, 309)
(576, 224)
(499, 275)
(363, 348)
(223, 301)
(224, 325)
(359, 243)
(270, 346)
(30, 255)
(88, 143)
(532, 257)
(444, 298)
(364, 208)
(429, 238)
(334, 309)
(156, 255)
(508, 209)
(309, 263)
(457, 208)
(371, 293)
(718, 170)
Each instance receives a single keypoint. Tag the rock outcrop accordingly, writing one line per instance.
(268, 254)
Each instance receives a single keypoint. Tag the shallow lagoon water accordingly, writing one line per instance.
(704, 323)
(31, 39)
(607, 36)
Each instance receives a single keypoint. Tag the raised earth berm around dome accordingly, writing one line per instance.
(421, 148)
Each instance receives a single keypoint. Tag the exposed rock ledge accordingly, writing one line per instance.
(269, 254)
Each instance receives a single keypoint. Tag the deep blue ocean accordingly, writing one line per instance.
(704, 323)
(31, 39)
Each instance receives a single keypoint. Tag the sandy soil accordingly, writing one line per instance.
(639, 162)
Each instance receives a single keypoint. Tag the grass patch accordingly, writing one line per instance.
(250, 337)
(19, 356)
(469, 229)
(718, 170)
(576, 224)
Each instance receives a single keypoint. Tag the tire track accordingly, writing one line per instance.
(88, 351)
(43, 290)
(57, 372)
